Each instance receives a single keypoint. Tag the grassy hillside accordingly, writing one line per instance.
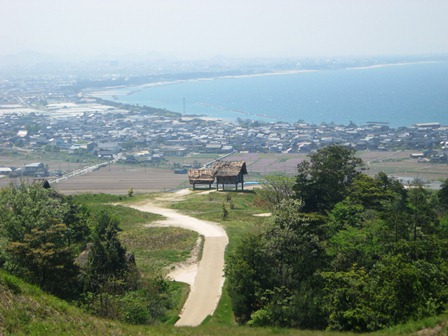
(26, 310)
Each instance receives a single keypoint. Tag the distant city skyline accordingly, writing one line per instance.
(193, 29)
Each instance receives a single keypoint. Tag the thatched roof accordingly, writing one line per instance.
(229, 168)
(205, 175)
(219, 168)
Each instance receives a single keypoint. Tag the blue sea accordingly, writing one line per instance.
(401, 95)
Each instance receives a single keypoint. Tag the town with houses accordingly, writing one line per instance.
(50, 115)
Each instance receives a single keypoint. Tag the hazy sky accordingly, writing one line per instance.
(238, 28)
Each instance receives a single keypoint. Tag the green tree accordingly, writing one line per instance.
(352, 235)
(295, 250)
(347, 300)
(42, 236)
(323, 181)
(107, 257)
(248, 272)
(294, 243)
(276, 188)
(373, 193)
(400, 290)
(423, 219)
(104, 269)
(443, 195)
(345, 214)
(47, 259)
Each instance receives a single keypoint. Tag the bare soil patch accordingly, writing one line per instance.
(267, 214)
(269, 163)
(119, 179)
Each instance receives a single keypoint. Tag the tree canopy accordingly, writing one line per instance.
(74, 252)
(350, 252)
(323, 181)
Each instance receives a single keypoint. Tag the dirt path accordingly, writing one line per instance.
(206, 279)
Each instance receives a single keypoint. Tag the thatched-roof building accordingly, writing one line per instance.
(230, 172)
(225, 172)
(201, 176)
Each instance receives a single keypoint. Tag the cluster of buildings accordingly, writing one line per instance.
(106, 131)
(47, 113)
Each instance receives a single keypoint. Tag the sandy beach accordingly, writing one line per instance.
(109, 92)
(386, 65)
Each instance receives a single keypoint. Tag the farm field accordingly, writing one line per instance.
(398, 164)
(119, 178)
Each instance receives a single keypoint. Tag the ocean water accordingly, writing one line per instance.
(401, 95)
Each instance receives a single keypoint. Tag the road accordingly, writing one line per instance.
(85, 170)
(208, 277)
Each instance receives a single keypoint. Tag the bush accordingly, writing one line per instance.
(260, 318)
(225, 212)
(135, 309)
(11, 283)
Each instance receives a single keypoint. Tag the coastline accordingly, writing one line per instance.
(217, 109)
(129, 90)
(124, 90)
(387, 65)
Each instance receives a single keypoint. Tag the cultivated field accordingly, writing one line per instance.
(398, 164)
(118, 179)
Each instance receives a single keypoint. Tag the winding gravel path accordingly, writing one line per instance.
(207, 278)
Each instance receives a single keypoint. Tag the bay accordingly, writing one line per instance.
(402, 95)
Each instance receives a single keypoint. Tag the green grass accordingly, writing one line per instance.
(29, 311)
(155, 249)
(435, 323)
(97, 198)
(158, 248)
(101, 198)
(179, 293)
(25, 310)
(241, 220)
(223, 315)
